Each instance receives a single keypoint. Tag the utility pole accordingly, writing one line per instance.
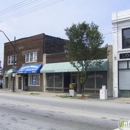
(14, 66)
(14, 53)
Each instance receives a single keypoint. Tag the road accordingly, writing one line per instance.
(24, 112)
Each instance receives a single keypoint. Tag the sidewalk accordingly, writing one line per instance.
(90, 97)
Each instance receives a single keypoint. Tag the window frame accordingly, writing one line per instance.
(93, 78)
(123, 47)
(10, 59)
(31, 57)
(54, 80)
(120, 70)
(30, 82)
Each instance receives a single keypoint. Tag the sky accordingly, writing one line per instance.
(24, 18)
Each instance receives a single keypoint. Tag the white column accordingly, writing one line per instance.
(115, 61)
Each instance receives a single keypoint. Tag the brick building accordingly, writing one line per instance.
(42, 66)
(29, 60)
(58, 73)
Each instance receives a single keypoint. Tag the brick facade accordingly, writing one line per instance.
(39, 43)
(54, 58)
(30, 44)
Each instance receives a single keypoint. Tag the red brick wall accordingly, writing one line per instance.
(34, 43)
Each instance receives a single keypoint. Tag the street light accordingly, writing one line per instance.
(14, 67)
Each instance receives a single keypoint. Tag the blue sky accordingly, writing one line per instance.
(53, 19)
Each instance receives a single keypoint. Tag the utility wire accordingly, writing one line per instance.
(17, 6)
(38, 7)
(107, 33)
(32, 9)
(105, 28)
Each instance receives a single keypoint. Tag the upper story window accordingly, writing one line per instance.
(126, 38)
(31, 57)
(10, 60)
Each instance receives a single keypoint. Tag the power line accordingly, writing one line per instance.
(35, 8)
(107, 33)
(32, 9)
(105, 28)
(16, 6)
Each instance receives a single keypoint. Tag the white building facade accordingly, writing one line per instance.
(121, 53)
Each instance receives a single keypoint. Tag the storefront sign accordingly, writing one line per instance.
(124, 55)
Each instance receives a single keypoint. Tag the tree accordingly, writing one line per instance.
(84, 45)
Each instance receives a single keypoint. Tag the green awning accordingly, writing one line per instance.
(67, 67)
(9, 72)
(58, 67)
(99, 65)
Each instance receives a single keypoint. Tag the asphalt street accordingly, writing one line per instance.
(23, 112)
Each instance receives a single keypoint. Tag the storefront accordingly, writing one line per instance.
(121, 53)
(58, 76)
(8, 79)
(95, 80)
(29, 78)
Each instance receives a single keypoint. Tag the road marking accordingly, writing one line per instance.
(51, 108)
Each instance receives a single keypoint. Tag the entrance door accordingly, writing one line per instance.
(25, 83)
(66, 81)
(6, 82)
(74, 79)
(20, 83)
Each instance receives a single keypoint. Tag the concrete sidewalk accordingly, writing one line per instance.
(90, 97)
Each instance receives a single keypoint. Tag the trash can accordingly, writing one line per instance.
(103, 93)
(73, 89)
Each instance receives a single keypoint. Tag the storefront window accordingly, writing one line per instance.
(34, 79)
(124, 80)
(123, 65)
(50, 80)
(101, 79)
(96, 79)
(90, 83)
(54, 79)
(58, 80)
(124, 72)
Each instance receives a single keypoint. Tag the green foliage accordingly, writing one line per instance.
(83, 46)
(84, 42)
(82, 77)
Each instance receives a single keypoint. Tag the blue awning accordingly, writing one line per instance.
(29, 69)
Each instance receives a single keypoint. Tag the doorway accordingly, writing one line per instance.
(25, 87)
(6, 82)
(74, 79)
(66, 81)
(19, 82)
